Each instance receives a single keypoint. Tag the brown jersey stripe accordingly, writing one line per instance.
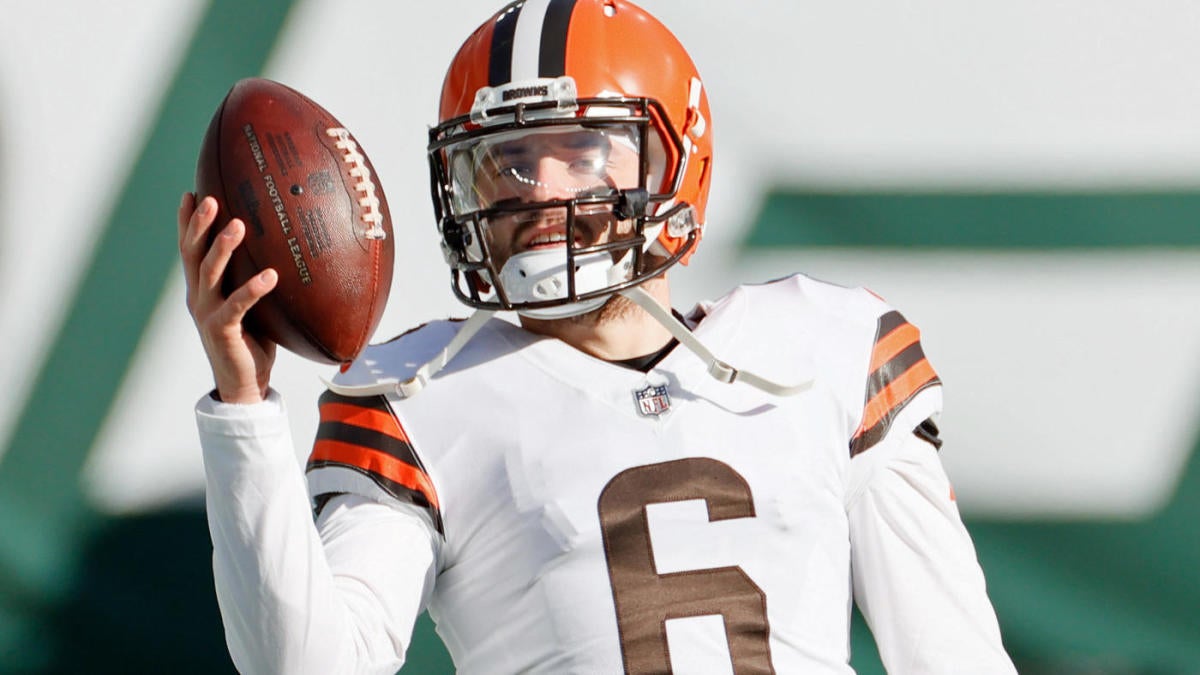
(375, 464)
(897, 372)
(898, 392)
(368, 438)
(368, 418)
(377, 402)
(888, 373)
(891, 344)
(369, 424)
(400, 492)
(883, 408)
(367, 421)
(888, 323)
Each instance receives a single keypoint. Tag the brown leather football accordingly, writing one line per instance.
(314, 211)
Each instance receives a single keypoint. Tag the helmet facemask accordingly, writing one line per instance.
(579, 84)
(550, 207)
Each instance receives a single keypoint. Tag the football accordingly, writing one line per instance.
(314, 211)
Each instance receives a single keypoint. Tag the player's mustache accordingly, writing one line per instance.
(587, 226)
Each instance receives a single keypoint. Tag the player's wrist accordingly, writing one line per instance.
(239, 395)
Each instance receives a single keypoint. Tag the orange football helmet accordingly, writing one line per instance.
(572, 158)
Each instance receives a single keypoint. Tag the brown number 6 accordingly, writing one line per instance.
(645, 599)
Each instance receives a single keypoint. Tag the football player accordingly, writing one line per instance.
(592, 490)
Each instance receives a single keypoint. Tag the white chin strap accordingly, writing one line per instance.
(413, 385)
(527, 277)
(720, 370)
(541, 275)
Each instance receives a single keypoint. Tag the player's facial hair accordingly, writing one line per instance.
(615, 308)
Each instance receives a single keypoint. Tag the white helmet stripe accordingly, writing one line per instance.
(527, 41)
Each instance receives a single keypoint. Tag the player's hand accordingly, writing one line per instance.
(241, 363)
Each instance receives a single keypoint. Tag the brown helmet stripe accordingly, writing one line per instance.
(552, 60)
(500, 58)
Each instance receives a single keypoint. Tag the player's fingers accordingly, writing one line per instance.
(242, 299)
(212, 267)
(193, 240)
(187, 204)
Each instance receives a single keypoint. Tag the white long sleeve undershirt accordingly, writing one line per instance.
(916, 578)
(338, 596)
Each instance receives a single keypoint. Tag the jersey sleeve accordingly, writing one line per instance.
(361, 448)
(339, 596)
(902, 389)
(916, 578)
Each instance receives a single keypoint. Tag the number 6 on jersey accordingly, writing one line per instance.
(645, 599)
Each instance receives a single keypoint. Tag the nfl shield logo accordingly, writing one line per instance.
(652, 400)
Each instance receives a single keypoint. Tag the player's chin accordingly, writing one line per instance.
(615, 308)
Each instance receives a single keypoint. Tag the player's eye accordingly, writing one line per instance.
(509, 161)
(592, 164)
(518, 172)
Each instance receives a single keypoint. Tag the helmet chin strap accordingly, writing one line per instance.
(541, 274)
(717, 368)
(529, 276)
(720, 370)
(414, 384)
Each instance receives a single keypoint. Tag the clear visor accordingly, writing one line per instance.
(550, 163)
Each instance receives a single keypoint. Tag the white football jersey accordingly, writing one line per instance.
(590, 518)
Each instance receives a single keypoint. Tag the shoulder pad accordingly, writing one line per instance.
(399, 358)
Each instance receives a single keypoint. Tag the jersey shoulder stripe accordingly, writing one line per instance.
(363, 434)
(897, 373)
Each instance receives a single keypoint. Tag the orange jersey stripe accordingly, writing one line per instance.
(892, 344)
(896, 393)
(376, 462)
(367, 418)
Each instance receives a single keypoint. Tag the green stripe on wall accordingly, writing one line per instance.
(1121, 595)
(991, 220)
(43, 515)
